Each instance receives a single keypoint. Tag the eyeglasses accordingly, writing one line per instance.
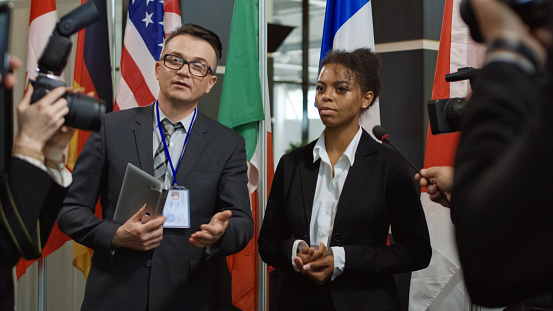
(197, 69)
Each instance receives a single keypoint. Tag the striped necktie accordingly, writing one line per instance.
(160, 159)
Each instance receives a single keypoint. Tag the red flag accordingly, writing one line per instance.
(42, 21)
(92, 72)
(440, 286)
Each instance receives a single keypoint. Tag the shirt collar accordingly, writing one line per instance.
(185, 121)
(319, 152)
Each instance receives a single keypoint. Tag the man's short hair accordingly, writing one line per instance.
(200, 33)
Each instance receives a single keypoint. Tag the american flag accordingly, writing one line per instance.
(147, 23)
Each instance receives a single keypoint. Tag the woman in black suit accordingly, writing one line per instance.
(332, 203)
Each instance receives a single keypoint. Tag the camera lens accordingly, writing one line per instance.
(85, 112)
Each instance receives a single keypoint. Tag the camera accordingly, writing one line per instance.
(534, 13)
(85, 112)
(446, 114)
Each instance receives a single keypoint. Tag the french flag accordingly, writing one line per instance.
(142, 44)
(348, 26)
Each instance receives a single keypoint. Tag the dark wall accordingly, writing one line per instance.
(215, 16)
(400, 20)
(407, 75)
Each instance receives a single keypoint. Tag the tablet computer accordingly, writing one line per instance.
(139, 188)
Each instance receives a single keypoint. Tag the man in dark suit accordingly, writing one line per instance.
(34, 184)
(141, 265)
(501, 202)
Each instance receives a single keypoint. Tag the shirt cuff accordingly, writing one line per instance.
(339, 261)
(298, 245)
(54, 159)
(61, 176)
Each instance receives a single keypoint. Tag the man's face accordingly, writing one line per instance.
(180, 87)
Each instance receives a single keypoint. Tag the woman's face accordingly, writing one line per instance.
(339, 98)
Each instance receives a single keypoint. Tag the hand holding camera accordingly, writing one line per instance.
(84, 112)
(528, 22)
(41, 125)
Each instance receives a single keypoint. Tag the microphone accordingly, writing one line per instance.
(381, 134)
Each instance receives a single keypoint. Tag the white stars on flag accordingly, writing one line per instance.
(148, 19)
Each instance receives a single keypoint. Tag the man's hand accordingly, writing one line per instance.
(438, 181)
(140, 236)
(318, 266)
(212, 232)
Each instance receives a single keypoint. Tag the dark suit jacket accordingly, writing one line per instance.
(36, 196)
(174, 275)
(501, 201)
(379, 191)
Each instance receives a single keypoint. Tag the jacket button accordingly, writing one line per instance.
(148, 263)
(337, 237)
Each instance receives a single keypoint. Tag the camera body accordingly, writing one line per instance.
(446, 114)
(85, 112)
(534, 13)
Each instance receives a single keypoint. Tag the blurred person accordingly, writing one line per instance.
(333, 201)
(35, 182)
(501, 202)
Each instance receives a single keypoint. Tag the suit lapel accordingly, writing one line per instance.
(309, 172)
(143, 137)
(358, 176)
(196, 142)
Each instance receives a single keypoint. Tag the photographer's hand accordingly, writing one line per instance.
(10, 77)
(438, 181)
(55, 146)
(37, 123)
(497, 20)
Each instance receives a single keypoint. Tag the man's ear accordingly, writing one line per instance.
(211, 83)
(157, 68)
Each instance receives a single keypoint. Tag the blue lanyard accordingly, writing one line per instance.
(162, 134)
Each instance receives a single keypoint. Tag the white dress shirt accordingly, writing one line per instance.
(325, 202)
(176, 143)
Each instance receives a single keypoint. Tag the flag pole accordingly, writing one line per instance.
(42, 284)
(113, 48)
(262, 133)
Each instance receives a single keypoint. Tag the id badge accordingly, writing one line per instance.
(177, 208)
